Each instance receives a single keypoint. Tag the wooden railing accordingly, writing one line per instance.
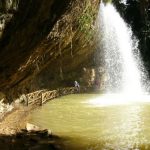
(42, 96)
(49, 95)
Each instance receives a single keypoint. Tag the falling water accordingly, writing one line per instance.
(119, 53)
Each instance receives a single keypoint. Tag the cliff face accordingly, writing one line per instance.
(44, 43)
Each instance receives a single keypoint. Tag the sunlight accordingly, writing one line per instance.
(118, 99)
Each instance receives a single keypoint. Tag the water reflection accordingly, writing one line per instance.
(126, 128)
(118, 99)
(84, 127)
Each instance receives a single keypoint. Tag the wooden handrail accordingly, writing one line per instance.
(42, 96)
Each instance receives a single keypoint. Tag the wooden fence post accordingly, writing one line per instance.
(41, 99)
(27, 102)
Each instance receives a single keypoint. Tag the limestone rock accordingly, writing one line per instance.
(32, 127)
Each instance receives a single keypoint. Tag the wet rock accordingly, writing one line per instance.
(34, 139)
(37, 130)
(30, 140)
(19, 135)
(30, 127)
(49, 133)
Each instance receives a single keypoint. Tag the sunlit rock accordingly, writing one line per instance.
(32, 127)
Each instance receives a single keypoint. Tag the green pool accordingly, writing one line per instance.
(83, 125)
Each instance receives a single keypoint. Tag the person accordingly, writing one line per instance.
(77, 86)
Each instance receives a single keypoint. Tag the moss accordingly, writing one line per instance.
(86, 20)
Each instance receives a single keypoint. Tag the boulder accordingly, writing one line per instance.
(31, 127)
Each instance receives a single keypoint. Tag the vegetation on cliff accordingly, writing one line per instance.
(48, 42)
(51, 41)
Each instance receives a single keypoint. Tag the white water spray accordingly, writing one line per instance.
(120, 54)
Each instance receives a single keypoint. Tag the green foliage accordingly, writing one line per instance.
(86, 20)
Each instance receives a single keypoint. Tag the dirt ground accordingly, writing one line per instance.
(14, 136)
(14, 121)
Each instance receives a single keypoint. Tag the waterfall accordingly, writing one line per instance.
(118, 53)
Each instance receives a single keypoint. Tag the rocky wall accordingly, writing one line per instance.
(45, 43)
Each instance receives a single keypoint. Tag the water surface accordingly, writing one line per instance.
(82, 125)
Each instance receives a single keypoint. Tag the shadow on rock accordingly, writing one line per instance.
(30, 140)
